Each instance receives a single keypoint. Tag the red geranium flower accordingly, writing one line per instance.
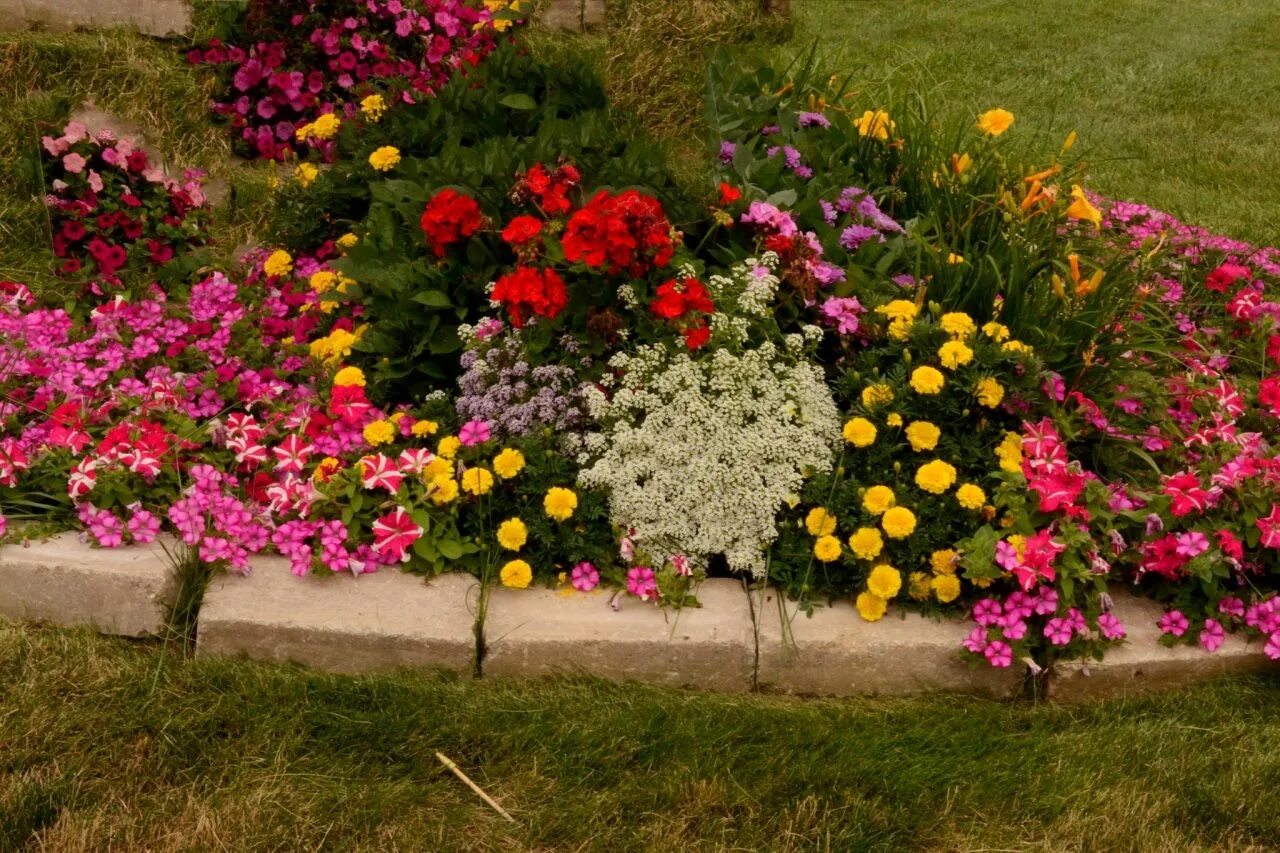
(521, 230)
(449, 218)
(728, 194)
(528, 291)
(627, 233)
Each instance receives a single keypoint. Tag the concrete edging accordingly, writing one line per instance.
(161, 18)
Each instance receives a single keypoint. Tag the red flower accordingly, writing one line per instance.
(627, 233)
(728, 194)
(1221, 279)
(394, 534)
(521, 230)
(528, 291)
(549, 189)
(449, 218)
(677, 298)
(697, 336)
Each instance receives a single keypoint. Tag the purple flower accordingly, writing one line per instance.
(843, 311)
(814, 120)
(585, 577)
(1212, 635)
(727, 150)
(855, 235)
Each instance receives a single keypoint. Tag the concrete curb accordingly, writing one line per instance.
(126, 591)
(161, 18)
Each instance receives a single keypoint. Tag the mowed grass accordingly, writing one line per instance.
(110, 744)
(1177, 103)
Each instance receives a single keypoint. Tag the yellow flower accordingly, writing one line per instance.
(954, 354)
(437, 467)
(954, 260)
(508, 463)
(512, 534)
(871, 607)
(278, 263)
(305, 173)
(899, 522)
(998, 332)
(385, 158)
(334, 347)
(448, 446)
(1081, 208)
(443, 489)
(322, 281)
(325, 127)
(923, 435)
(559, 503)
(827, 549)
(971, 496)
(943, 562)
(899, 309)
(935, 477)
(877, 124)
(326, 468)
(819, 522)
(373, 106)
(866, 543)
(346, 241)
(989, 392)
(1009, 452)
(876, 395)
(860, 432)
(884, 581)
(927, 380)
(877, 499)
(946, 588)
(396, 418)
(379, 432)
(516, 574)
(995, 122)
(960, 164)
(349, 376)
(424, 427)
(894, 419)
(477, 481)
(1016, 346)
(918, 585)
(957, 324)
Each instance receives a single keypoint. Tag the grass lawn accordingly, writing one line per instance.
(109, 744)
(1179, 103)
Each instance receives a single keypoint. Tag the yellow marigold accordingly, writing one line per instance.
(894, 419)
(559, 503)
(871, 607)
(305, 173)
(477, 481)
(827, 549)
(508, 463)
(379, 432)
(325, 127)
(448, 446)
(898, 522)
(946, 588)
(971, 496)
(334, 347)
(424, 427)
(346, 241)
(954, 259)
(437, 467)
(860, 432)
(443, 489)
(877, 499)
(899, 309)
(922, 435)
(935, 477)
(322, 281)
(876, 124)
(1082, 208)
(998, 332)
(943, 562)
(958, 324)
(884, 581)
(866, 543)
(918, 585)
(927, 380)
(995, 122)
(349, 376)
(819, 522)
(1009, 452)
(516, 574)
(877, 395)
(989, 392)
(1017, 346)
(278, 263)
(373, 106)
(954, 354)
(512, 534)
(385, 158)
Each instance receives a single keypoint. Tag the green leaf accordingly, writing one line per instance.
(450, 549)
(519, 101)
(432, 298)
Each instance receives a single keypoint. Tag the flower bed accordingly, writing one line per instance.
(886, 357)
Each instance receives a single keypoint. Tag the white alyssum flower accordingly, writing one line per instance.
(700, 455)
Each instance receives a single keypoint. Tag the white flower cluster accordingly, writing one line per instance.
(699, 456)
(750, 288)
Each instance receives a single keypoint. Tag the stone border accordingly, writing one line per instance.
(160, 18)
(738, 640)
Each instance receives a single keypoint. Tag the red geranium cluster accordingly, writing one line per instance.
(686, 302)
(450, 217)
(108, 202)
(528, 291)
(627, 232)
(548, 189)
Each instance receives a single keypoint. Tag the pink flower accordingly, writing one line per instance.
(585, 577)
(4, 525)
(393, 535)
(143, 527)
(1272, 648)
(1013, 628)
(74, 163)
(1231, 606)
(642, 583)
(1058, 631)
(987, 612)
(1212, 635)
(1173, 622)
(999, 654)
(1110, 626)
(473, 433)
(976, 641)
(1192, 544)
(1270, 527)
(380, 472)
